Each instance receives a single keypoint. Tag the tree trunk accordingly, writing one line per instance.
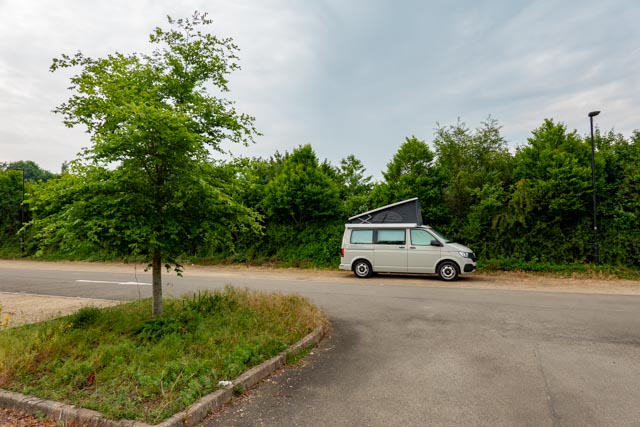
(156, 273)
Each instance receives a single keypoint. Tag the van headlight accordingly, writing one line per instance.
(465, 254)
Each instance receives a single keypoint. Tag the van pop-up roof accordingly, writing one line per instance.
(405, 212)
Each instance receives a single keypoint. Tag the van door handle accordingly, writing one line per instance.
(401, 247)
(412, 247)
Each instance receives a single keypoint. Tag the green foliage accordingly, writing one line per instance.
(595, 271)
(301, 192)
(521, 210)
(548, 215)
(355, 186)
(477, 170)
(314, 245)
(286, 245)
(124, 363)
(145, 186)
(619, 198)
(16, 179)
(297, 358)
(412, 173)
(10, 203)
(32, 172)
(238, 390)
(86, 316)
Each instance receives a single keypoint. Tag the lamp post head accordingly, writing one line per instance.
(594, 113)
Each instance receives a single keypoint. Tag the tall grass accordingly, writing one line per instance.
(124, 363)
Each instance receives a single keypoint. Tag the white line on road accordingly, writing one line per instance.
(113, 283)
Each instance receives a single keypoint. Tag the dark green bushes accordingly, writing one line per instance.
(529, 209)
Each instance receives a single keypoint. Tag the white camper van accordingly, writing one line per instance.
(392, 239)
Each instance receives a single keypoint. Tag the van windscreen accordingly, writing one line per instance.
(440, 236)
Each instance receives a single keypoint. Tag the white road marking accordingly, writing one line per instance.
(114, 283)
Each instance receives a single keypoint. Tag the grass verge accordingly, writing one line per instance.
(584, 271)
(128, 365)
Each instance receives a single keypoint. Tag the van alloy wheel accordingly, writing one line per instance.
(362, 269)
(448, 271)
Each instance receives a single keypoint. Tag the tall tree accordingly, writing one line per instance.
(153, 121)
(549, 212)
(469, 160)
(16, 178)
(355, 185)
(32, 172)
(413, 173)
(476, 168)
(618, 197)
(302, 192)
(10, 206)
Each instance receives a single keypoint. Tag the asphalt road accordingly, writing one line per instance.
(409, 351)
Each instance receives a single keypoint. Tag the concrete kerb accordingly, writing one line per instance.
(192, 416)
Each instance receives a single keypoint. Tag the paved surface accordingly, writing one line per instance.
(408, 351)
(463, 358)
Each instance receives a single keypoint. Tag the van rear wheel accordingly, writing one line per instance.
(362, 269)
(448, 271)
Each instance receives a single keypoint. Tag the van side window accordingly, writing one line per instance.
(421, 238)
(362, 236)
(391, 237)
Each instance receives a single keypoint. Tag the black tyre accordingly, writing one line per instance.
(448, 271)
(362, 269)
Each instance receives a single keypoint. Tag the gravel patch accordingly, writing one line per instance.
(28, 308)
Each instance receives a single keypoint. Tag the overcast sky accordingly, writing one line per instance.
(346, 76)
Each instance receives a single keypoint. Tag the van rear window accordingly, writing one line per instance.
(362, 236)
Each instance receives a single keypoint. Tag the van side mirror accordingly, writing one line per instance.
(435, 243)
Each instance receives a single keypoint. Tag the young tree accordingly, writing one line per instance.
(152, 121)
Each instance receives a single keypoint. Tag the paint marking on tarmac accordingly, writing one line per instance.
(114, 283)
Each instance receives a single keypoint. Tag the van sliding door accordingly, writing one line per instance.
(390, 251)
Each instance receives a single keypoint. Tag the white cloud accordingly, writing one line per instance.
(347, 77)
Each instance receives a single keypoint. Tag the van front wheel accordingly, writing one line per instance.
(448, 271)
(362, 269)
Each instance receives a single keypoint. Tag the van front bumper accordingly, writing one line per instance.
(469, 268)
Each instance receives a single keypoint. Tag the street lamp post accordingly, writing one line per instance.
(596, 255)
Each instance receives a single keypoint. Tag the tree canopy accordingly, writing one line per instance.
(302, 191)
(144, 186)
(32, 172)
(412, 173)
